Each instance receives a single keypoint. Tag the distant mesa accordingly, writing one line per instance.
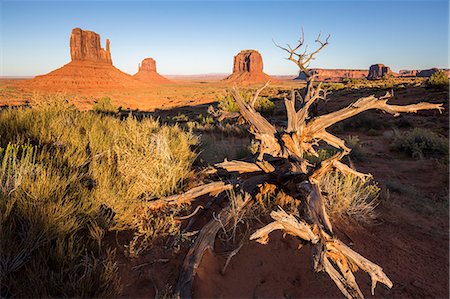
(427, 73)
(248, 68)
(422, 73)
(334, 75)
(407, 73)
(147, 72)
(379, 71)
(90, 69)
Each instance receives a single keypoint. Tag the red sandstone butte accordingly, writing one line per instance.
(85, 46)
(147, 72)
(334, 75)
(248, 68)
(378, 71)
(90, 69)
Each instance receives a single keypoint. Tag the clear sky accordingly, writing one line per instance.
(203, 36)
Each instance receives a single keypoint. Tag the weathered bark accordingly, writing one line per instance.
(187, 197)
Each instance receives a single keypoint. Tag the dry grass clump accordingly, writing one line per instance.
(104, 105)
(349, 196)
(420, 143)
(66, 178)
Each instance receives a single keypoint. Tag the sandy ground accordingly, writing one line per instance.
(164, 96)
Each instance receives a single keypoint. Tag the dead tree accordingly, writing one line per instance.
(281, 162)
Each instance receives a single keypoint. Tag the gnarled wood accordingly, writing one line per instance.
(288, 224)
(187, 197)
(238, 166)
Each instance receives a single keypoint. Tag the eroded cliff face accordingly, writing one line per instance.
(148, 64)
(248, 68)
(248, 61)
(334, 75)
(85, 46)
(147, 72)
(378, 71)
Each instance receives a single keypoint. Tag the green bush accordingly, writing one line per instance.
(104, 105)
(262, 104)
(419, 143)
(438, 79)
(228, 104)
(322, 154)
(66, 179)
(333, 86)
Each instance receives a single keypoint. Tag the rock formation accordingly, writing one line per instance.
(85, 46)
(378, 71)
(248, 68)
(426, 73)
(408, 73)
(90, 69)
(334, 75)
(147, 72)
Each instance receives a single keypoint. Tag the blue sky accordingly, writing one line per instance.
(203, 36)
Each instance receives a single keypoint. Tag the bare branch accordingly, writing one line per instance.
(322, 122)
(187, 197)
(258, 91)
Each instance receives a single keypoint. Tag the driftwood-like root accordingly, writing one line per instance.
(213, 188)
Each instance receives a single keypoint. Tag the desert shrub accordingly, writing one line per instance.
(104, 105)
(322, 154)
(264, 106)
(420, 143)
(45, 213)
(363, 122)
(180, 117)
(349, 196)
(67, 177)
(357, 150)
(333, 86)
(205, 120)
(228, 104)
(439, 80)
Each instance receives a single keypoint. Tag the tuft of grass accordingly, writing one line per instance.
(333, 86)
(66, 178)
(323, 154)
(349, 196)
(263, 104)
(104, 105)
(420, 143)
(435, 205)
(205, 120)
(438, 80)
(358, 152)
